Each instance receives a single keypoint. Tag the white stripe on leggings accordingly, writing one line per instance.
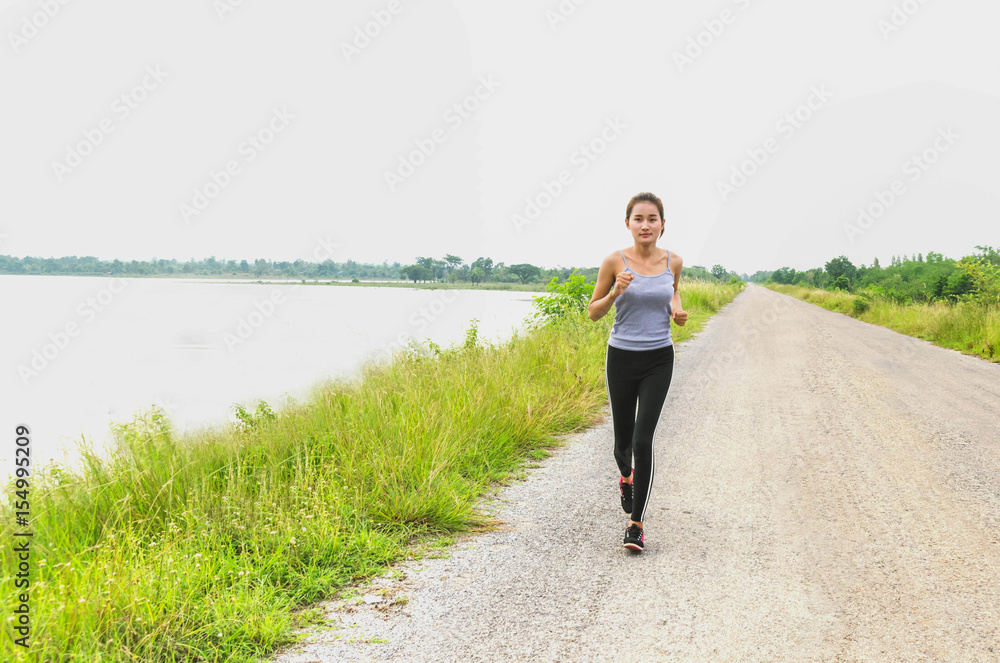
(607, 390)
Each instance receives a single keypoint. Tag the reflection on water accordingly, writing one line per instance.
(80, 352)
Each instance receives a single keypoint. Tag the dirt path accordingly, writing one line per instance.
(826, 490)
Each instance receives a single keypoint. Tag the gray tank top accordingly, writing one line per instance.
(642, 312)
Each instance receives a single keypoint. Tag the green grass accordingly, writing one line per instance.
(215, 547)
(967, 327)
(702, 300)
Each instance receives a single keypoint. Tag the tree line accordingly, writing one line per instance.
(91, 266)
(913, 279)
(450, 269)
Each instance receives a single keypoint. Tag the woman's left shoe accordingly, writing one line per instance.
(633, 538)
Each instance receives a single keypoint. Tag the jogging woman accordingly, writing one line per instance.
(643, 286)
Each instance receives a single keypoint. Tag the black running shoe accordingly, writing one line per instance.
(626, 491)
(633, 537)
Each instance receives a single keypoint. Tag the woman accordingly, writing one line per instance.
(643, 286)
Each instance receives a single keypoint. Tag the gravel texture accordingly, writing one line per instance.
(826, 490)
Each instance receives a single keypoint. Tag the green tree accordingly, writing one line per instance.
(434, 268)
(719, 272)
(525, 272)
(784, 275)
(840, 266)
(477, 275)
(984, 277)
(990, 254)
(410, 272)
(485, 265)
(939, 285)
(452, 261)
(959, 283)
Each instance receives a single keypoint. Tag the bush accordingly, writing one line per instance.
(860, 305)
(959, 283)
(571, 298)
(983, 278)
(842, 283)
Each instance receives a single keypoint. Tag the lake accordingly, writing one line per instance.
(80, 352)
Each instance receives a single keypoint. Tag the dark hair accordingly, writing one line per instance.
(646, 197)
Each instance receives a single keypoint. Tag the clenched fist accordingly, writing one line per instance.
(621, 282)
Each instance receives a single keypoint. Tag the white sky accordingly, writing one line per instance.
(324, 175)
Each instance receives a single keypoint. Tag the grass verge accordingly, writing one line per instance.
(213, 547)
(967, 327)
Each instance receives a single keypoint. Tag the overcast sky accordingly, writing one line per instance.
(254, 129)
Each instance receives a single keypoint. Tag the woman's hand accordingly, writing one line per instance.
(621, 282)
(680, 316)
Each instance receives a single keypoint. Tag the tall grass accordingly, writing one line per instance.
(212, 547)
(702, 300)
(968, 327)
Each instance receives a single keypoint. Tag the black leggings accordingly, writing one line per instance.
(643, 375)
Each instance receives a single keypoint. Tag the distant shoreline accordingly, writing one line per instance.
(462, 285)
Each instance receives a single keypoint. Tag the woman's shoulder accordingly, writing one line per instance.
(614, 259)
(675, 259)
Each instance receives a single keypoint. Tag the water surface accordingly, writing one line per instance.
(79, 352)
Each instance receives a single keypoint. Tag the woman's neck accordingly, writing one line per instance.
(647, 254)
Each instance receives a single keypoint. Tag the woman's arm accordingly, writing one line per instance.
(679, 315)
(606, 290)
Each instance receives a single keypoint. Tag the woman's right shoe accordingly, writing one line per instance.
(626, 491)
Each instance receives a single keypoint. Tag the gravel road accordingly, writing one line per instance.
(826, 490)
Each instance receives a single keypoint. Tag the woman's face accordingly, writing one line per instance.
(645, 223)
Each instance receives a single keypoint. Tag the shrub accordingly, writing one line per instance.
(248, 421)
(983, 278)
(571, 298)
(959, 283)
